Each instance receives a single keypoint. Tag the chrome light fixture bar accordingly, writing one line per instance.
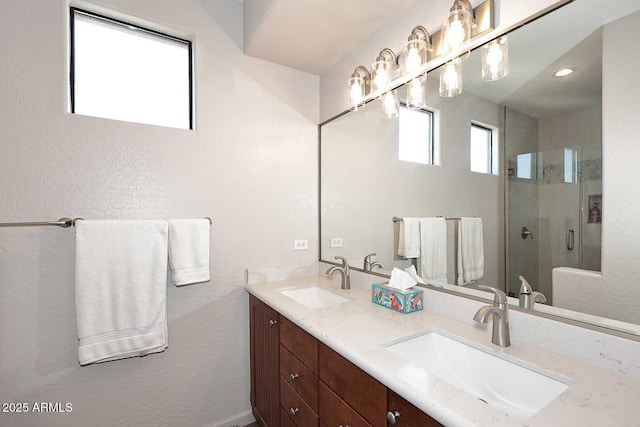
(412, 60)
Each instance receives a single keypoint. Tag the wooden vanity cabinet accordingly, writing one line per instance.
(265, 363)
(297, 381)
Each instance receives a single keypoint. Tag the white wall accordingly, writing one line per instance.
(364, 185)
(621, 175)
(251, 166)
(430, 14)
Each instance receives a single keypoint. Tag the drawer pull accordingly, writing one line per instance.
(392, 417)
(272, 322)
(293, 411)
(293, 376)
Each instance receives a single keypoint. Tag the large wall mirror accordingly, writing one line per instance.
(523, 153)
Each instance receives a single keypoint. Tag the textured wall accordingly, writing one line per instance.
(251, 165)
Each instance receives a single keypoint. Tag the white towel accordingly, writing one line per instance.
(433, 249)
(470, 251)
(189, 251)
(409, 238)
(121, 289)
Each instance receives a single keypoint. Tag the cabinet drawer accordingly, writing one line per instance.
(285, 419)
(410, 416)
(304, 382)
(303, 415)
(335, 412)
(299, 343)
(357, 388)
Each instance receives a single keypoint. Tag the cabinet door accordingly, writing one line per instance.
(410, 416)
(265, 363)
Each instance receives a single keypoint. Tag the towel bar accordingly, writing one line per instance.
(63, 222)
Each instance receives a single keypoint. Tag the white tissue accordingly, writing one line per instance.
(400, 280)
(411, 271)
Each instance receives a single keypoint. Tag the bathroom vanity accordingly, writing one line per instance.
(320, 360)
(299, 381)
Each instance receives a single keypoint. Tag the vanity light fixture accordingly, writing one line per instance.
(391, 104)
(461, 32)
(381, 70)
(358, 84)
(495, 59)
(564, 72)
(457, 29)
(414, 56)
(451, 78)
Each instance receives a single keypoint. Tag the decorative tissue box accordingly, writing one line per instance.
(406, 301)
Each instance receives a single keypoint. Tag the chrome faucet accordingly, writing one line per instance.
(368, 265)
(344, 270)
(500, 313)
(529, 297)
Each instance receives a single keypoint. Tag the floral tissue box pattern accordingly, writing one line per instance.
(406, 301)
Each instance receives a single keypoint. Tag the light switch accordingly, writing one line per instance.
(336, 242)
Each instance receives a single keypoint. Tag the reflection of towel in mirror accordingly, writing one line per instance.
(409, 238)
(433, 249)
(470, 251)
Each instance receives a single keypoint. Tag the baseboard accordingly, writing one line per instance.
(238, 420)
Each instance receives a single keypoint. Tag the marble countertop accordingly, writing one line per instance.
(358, 330)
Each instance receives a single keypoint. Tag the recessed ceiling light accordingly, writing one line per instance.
(564, 72)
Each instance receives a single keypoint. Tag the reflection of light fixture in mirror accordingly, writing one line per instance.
(417, 92)
(495, 59)
(381, 70)
(391, 104)
(358, 83)
(451, 78)
(456, 29)
(414, 54)
(564, 72)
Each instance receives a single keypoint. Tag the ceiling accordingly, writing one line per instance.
(312, 35)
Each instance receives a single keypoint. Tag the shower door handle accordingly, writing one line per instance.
(570, 240)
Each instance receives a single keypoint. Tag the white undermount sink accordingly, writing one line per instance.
(314, 297)
(513, 389)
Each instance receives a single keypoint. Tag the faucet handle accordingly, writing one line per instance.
(538, 297)
(368, 257)
(343, 259)
(499, 297)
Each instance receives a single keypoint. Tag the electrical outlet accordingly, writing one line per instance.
(300, 245)
(336, 242)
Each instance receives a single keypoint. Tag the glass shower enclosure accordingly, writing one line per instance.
(554, 199)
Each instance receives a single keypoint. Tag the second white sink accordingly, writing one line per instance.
(314, 297)
(518, 391)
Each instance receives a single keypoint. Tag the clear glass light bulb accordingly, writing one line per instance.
(413, 60)
(390, 105)
(381, 79)
(455, 34)
(356, 94)
(494, 57)
(415, 92)
(450, 76)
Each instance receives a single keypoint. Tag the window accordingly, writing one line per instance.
(484, 150)
(524, 166)
(416, 136)
(570, 165)
(125, 72)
